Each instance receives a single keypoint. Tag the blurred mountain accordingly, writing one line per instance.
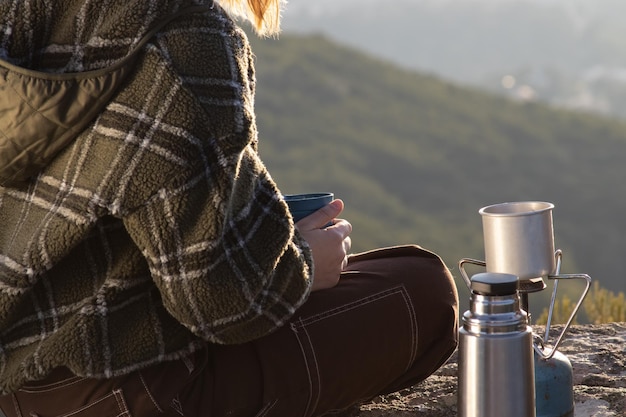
(415, 158)
(565, 52)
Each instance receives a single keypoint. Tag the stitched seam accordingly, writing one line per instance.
(145, 386)
(401, 290)
(351, 306)
(268, 407)
(121, 403)
(306, 366)
(317, 370)
(89, 405)
(177, 406)
(51, 387)
(413, 324)
(16, 405)
(188, 363)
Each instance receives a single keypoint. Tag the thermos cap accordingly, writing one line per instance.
(494, 284)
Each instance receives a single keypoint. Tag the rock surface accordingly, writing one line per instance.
(598, 357)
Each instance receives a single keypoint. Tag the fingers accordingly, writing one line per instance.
(347, 244)
(321, 217)
(341, 231)
(341, 226)
(330, 244)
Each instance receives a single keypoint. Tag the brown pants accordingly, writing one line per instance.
(390, 323)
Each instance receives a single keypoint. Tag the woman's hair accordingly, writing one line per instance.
(263, 14)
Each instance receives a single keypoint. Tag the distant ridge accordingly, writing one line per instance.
(567, 52)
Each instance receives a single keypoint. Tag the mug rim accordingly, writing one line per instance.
(308, 201)
(516, 208)
(307, 196)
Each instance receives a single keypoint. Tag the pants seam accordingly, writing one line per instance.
(414, 328)
(121, 403)
(317, 371)
(352, 305)
(188, 363)
(266, 409)
(145, 387)
(306, 365)
(115, 393)
(16, 405)
(53, 386)
(300, 326)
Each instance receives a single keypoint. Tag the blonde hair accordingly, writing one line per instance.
(264, 15)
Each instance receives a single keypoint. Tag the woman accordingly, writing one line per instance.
(148, 263)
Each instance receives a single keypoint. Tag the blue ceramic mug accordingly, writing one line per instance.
(301, 205)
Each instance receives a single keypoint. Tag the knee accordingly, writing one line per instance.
(436, 286)
(436, 302)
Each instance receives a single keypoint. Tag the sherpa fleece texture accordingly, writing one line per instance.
(155, 228)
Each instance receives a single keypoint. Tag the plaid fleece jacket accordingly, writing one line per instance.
(137, 222)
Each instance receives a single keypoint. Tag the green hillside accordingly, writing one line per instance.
(414, 158)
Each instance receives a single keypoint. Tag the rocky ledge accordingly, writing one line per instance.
(598, 357)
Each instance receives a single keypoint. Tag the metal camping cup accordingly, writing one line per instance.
(496, 362)
(519, 239)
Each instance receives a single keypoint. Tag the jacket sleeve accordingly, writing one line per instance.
(218, 238)
(231, 266)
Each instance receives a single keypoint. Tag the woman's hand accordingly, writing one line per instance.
(329, 245)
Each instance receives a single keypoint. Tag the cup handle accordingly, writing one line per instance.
(462, 263)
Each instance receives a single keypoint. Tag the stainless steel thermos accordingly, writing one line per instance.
(496, 359)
